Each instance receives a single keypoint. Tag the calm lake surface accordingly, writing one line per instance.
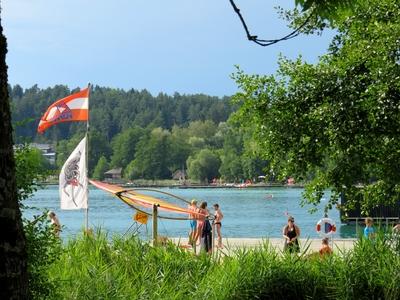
(252, 213)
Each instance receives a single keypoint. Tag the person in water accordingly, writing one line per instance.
(55, 223)
(291, 233)
(217, 223)
(193, 222)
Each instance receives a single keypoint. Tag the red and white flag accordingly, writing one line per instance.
(75, 107)
(73, 182)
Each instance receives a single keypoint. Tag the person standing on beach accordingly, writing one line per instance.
(200, 215)
(55, 223)
(193, 221)
(291, 233)
(369, 231)
(205, 229)
(217, 223)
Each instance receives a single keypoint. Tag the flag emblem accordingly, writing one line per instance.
(74, 107)
(73, 179)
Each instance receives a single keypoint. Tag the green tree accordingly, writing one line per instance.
(179, 151)
(202, 129)
(64, 149)
(336, 122)
(101, 167)
(31, 168)
(152, 156)
(203, 166)
(123, 146)
(98, 146)
(231, 166)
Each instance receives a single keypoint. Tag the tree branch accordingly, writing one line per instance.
(262, 42)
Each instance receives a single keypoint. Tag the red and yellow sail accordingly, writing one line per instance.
(134, 198)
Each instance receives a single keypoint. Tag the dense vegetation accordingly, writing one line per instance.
(148, 137)
(336, 123)
(113, 111)
(95, 267)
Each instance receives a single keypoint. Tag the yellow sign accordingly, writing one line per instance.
(141, 217)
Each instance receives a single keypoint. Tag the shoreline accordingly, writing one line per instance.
(182, 186)
(306, 245)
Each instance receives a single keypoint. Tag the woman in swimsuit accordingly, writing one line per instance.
(202, 212)
(291, 233)
(217, 223)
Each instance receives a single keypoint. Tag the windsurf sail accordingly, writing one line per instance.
(135, 199)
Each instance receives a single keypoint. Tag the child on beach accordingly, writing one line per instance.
(325, 249)
(369, 231)
(217, 223)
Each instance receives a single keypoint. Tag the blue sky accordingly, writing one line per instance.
(169, 46)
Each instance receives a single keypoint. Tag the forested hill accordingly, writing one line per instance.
(113, 110)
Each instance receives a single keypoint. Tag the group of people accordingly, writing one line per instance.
(291, 234)
(201, 228)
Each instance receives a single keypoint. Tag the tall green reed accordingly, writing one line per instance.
(97, 267)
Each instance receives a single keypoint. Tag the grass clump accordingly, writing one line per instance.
(95, 267)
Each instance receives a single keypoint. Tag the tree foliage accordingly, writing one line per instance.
(31, 168)
(113, 111)
(335, 123)
(203, 166)
(328, 9)
(101, 167)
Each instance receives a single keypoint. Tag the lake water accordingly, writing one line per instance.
(254, 213)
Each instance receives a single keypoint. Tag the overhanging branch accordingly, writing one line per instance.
(262, 42)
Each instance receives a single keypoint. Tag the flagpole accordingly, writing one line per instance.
(87, 169)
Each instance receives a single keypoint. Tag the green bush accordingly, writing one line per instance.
(97, 267)
(43, 249)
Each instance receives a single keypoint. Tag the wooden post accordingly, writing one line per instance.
(155, 217)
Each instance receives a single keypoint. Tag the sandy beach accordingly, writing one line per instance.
(308, 245)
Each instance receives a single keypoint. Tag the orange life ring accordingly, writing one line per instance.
(326, 227)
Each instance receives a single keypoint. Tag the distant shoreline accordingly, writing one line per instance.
(182, 186)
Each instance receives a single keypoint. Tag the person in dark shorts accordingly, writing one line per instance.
(206, 230)
(217, 223)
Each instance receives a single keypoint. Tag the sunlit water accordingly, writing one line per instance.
(252, 213)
